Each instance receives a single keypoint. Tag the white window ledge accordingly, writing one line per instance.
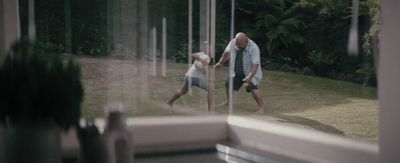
(265, 139)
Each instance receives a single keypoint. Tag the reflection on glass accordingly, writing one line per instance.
(138, 52)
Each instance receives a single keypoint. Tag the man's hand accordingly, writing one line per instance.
(221, 61)
(217, 66)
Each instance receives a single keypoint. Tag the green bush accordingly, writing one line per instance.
(367, 72)
(321, 62)
(50, 47)
(322, 59)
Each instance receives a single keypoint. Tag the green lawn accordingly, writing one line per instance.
(309, 102)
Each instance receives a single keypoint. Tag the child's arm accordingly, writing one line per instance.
(195, 56)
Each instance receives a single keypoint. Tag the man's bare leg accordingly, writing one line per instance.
(226, 103)
(257, 96)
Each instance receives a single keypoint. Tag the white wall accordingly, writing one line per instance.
(389, 81)
(291, 144)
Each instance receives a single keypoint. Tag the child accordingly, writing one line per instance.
(197, 75)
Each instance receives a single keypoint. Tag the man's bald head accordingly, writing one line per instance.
(241, 40)
(240, 35)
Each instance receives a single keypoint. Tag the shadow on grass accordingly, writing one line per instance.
(306, 122)
(287, 93)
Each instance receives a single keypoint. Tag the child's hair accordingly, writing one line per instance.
(205, 47)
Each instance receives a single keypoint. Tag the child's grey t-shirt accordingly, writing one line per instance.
(194, 71)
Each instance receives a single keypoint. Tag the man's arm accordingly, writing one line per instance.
(223, 59)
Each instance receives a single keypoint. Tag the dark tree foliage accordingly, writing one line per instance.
(299, 33)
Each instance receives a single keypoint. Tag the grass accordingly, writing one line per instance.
(332, 106)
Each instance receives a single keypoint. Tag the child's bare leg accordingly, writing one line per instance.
(176, 96)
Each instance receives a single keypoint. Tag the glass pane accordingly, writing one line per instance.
(132, 55)
(139, 54)
(309, 78)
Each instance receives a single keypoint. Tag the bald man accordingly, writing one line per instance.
(246, 69)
